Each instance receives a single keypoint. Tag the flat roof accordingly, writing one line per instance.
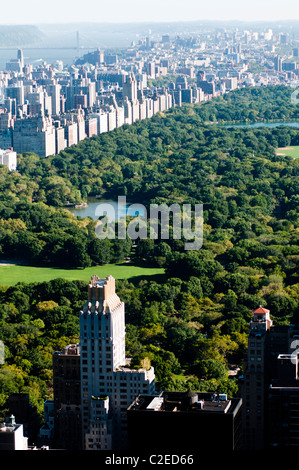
(182, 402)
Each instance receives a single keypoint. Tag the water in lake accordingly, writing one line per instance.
(113, 209)
(265, 124)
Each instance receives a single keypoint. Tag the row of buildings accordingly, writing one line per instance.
(101, 403)
(47, 108)
(28, 127)
(44, 111)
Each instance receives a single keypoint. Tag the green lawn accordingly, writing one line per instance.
(12, 274)
(289, 151)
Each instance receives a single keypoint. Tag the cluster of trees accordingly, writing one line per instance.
(252, 105)
(42, 235)
(36, 320)
(191, 324)
(171, 158)
(171, 324)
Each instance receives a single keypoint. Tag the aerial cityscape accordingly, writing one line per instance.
(114, 336)
(49, 107)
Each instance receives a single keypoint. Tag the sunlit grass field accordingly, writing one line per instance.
(12, 274)
(289, 151)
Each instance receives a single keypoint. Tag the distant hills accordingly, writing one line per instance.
(109, 35)
(19, 35)
(106, 35)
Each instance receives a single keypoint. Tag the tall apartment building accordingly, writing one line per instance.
(20, 57)
(231, 83)
(16, 91)
(54, 90)
(71, 132)
(130, 88)
(207, 87)
(128, 113)
(39, 102)
(91, 126)
(60, 140)
(34, 134)
(108, 384)
(151, 69)
(6, 120)
(8, 158)
(102, 120)
(270, 382)
(254, 380)
(78, 86)
(278, 63)
(67, 398)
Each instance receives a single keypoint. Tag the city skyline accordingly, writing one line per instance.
(134, 11)
(157, 341)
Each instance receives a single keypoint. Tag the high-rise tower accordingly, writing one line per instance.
(254, 379)
(67, 399)
(108, 384)
(130, 88)
(270, 369)
(20, 57)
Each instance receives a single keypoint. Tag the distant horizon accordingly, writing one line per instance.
(155, 11)
(136, 22)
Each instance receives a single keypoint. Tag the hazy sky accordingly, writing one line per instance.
(67, 11)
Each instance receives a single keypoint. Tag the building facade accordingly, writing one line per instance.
(270, 384)
(9, 159)
(36, 134)
(108, 384)
(254, 380)
(67, 398)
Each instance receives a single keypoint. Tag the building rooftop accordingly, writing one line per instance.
(69, 350)
(261, 310)
(183, 402)
(9, 425)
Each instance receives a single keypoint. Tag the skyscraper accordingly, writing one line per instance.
(254, 379)
(130, 88)
(108, 384)
(67, 398)
(20, 57)
(278, 64)
(268, 374)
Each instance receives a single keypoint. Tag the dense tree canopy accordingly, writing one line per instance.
(192, 323)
